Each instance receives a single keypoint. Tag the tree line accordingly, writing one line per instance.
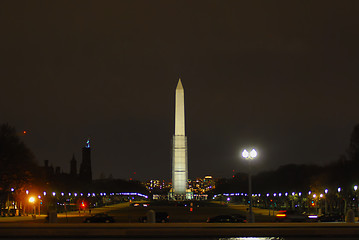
(342, 173)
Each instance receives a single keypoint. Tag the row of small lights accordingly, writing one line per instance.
(89, 194)
(280, 194)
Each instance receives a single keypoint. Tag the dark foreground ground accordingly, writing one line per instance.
(180, 231)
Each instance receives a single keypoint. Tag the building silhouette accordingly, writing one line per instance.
(73, 166)
(85, 167)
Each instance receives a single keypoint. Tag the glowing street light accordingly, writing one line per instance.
(250, 156)
(31, 199)
(355, 187)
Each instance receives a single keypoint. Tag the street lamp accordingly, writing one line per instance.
(356, 198)
(32, 201)
(250, 156)
(326, 200)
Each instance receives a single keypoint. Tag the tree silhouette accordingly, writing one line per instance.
(16, 162)
(353, 150)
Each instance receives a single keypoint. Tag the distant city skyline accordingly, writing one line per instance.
(278, 76)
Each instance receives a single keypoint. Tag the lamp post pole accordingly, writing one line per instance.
(32, 202)
(326, 201)
(356, 200)
(250, 156)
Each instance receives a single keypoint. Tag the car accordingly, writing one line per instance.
(331, 217)
(291, 216)
(161, 217)
(140, 204)
(232, 218)
(99, 218)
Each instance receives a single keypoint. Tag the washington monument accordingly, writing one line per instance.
(179, 154)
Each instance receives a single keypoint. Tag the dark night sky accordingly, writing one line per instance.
(282, 76)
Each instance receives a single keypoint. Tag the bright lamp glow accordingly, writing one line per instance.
(253, 153)
(355, 187)
(31, 200)
(249, 155)
(245, 154)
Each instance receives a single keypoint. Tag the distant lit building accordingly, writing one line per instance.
(202, 185)
(157, 185)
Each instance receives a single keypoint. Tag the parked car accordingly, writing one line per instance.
(233, 218)
(291, 216)
(99, 218)
(161, 217)
(140, 205)
(331, 217)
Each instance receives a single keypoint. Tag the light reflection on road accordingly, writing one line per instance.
(252, 238)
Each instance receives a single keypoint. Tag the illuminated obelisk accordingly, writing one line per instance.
(179, 155)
